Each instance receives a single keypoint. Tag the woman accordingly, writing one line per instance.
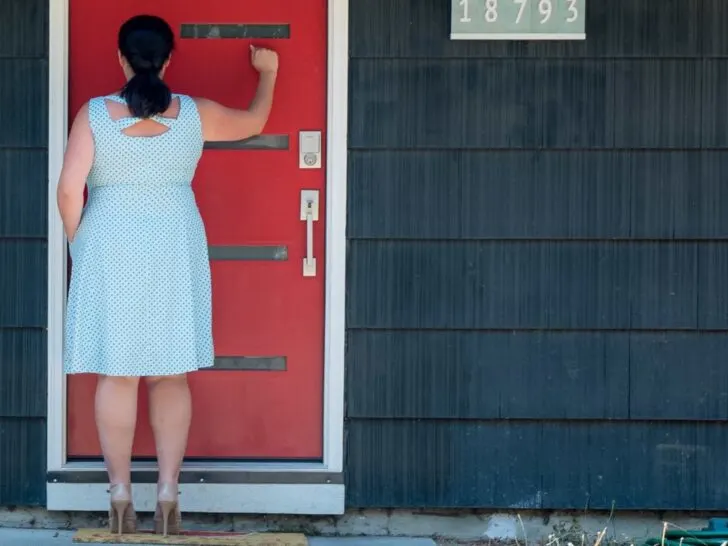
(139, 303)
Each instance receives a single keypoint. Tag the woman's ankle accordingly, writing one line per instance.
(167, 490)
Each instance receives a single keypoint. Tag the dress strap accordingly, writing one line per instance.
(128, 121)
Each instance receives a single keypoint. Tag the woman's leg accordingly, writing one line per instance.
(116, 414)
(170, 412)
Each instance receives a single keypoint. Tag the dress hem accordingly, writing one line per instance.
(166, 373)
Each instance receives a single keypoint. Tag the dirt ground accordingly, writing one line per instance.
(486, 542)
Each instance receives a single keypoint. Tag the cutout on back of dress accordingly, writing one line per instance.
(135, 127)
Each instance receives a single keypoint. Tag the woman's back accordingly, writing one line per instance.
(139, 301)
(161, 150)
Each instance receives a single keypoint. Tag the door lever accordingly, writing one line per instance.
(309, 214)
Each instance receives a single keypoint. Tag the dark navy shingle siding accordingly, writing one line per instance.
(23, 249)
(538, 254)
(539, 464)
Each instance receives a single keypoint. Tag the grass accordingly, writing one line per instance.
(565, 535)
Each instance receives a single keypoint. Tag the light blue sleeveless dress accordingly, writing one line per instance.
(139, 302)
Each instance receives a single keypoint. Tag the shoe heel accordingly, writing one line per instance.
(118, 511)
(122, 518)
(167, 519)
(167, 508)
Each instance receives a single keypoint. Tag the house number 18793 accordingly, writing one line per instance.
(518, 19)
(545, 9)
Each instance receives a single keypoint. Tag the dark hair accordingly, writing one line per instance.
(146, 42)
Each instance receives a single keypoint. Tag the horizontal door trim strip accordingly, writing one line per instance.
(248, 252)
(204, 476)
(259, 142)
(255, 363)
(239, 31)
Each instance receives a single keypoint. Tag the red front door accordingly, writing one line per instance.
(264, 398)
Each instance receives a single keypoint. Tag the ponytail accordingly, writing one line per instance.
(146, 94)
(146, 42)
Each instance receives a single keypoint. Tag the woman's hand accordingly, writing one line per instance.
(264, 60)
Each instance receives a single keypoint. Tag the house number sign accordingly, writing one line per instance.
(518, 20)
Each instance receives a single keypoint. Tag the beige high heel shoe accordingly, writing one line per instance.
(167, 518)
(122, 517)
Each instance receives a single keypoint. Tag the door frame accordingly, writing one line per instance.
(219, 487)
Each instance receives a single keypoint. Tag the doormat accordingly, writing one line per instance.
(191, 538)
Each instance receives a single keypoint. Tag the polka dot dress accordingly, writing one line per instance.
(139, 302)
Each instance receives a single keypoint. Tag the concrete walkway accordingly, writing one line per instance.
(28, 537)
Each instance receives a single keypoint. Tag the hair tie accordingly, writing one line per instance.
(140, 64)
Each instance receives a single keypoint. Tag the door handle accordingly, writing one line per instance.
(309, 214)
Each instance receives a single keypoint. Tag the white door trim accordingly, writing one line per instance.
(292, 498)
